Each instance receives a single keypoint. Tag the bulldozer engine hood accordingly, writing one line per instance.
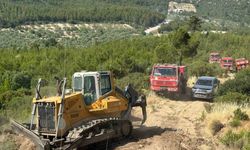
(55, 99)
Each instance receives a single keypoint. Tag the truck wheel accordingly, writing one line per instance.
(184, 91)
(177, 95)
(212, 99)
(191, 97)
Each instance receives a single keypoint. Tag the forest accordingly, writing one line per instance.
(15, 13)
(42, 36)
(237, 11)
(135, 12)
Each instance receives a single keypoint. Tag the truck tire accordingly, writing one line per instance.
(177, 95)
(184, 91)
(191, 97)
(211, 99)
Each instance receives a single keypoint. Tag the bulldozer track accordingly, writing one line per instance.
(109, 143)
(98, 130)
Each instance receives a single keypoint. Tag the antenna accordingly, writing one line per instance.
(65, 55)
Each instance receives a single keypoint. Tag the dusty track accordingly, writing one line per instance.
(173, 125)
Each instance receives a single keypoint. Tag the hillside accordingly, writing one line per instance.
(144, 13)
(16, 13)
(237, 11)
(48, 38)
(62, 34)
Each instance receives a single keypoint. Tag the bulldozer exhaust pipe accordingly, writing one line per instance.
(57, 86)
(61, 106)
(38, 96)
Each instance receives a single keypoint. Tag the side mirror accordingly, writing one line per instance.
(215, 85)
(149, 71)
(193, 83)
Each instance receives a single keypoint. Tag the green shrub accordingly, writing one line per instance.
(7, 96)
(38, 34)
(239, 115)
(245, 73)
(233, 97)
(246, 147)
(230, 138)
(19, 108)
(139, 81)
(173, 25)
(203, 116)
(202, 68)
(239, 85)
(17, 79)
(32, 31)
(3, 121)
(237, 141)
(235, 123)
(216, 126)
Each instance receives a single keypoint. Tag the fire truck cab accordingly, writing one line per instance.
(214, 57)
(168, 78)
(227, 63)
(241, 63)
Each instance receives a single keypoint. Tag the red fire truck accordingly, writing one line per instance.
(241, 63)
(227, 63)
(168, 78)
(214, 57)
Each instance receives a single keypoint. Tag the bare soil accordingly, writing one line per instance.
(21, 142)
(171, 125)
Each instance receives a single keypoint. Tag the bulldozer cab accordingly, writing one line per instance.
(92, 85)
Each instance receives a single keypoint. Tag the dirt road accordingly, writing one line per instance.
(171, 125)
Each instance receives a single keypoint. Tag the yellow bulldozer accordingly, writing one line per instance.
(92, 111)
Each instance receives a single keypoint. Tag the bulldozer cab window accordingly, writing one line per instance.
(78, 84)
(89, 95)
(105, 84)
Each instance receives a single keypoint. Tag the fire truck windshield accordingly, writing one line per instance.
(214, 56)
(228, 61)
(165, 72)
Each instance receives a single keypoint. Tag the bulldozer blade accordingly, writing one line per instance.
(142, 102)
(18, 128)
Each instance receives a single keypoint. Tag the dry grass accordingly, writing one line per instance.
(224, 113)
